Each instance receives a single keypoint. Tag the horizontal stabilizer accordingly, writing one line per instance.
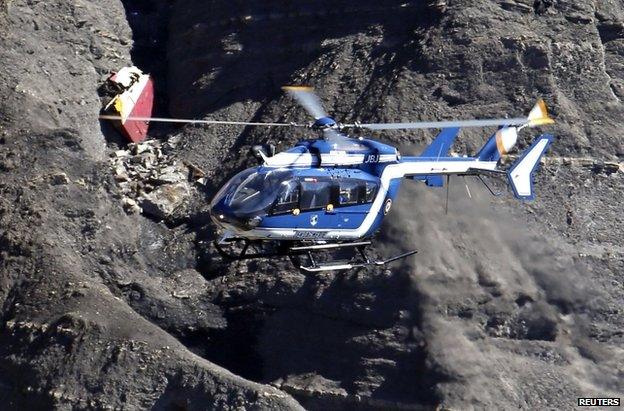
(521, 173)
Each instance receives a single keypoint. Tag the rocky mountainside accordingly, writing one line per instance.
(112, 297)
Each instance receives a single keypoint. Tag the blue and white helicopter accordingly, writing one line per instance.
(334, 192)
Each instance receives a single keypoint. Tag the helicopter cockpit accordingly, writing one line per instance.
(251, 192)
(255, 193)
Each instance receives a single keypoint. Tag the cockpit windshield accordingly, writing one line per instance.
(252, 191)
(259, 192)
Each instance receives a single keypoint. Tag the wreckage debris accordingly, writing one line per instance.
(131, 94)
(151, 181)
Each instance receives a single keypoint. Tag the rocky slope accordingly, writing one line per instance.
(507, 305)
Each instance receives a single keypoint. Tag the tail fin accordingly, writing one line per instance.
(521, 173)
(440, 146)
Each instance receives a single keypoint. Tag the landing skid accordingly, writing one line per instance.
(295, 250)
(349, 266)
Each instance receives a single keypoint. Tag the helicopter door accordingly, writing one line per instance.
(354, 199)
(285, 212)
(318, 201)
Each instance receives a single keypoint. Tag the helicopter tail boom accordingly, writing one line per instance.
(520, 175)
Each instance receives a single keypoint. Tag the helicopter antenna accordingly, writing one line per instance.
(448, 187)
(467, 188)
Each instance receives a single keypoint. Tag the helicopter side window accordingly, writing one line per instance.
(371, 191)
(350, 192)
(353, 192)
(315, 193)
(287, 198)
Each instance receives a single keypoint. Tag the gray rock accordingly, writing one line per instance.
(140, 148)
(60, 178)
(166, 201)
(131, 206)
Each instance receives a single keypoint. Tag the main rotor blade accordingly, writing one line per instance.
(192, 121)
(308, 99)
(537, 117)
(441, 124)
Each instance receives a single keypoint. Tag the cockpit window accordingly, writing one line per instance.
(252, 192)
(250, 187)
(277, 191)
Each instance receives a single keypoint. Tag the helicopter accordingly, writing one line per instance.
(334, 191)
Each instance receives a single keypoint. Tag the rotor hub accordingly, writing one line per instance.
(324, 123)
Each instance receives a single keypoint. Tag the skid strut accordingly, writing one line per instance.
(284, 249)
(366, 262)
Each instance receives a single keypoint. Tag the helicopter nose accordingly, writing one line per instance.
(227, 219)
(220, 218)
(218, 215)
